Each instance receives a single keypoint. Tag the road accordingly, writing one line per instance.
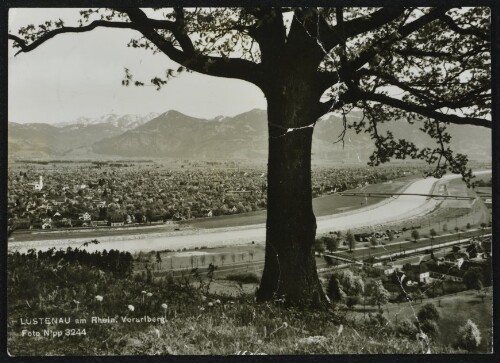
(389, 210)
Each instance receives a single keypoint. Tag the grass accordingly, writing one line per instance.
(454, 310)
(198, 319)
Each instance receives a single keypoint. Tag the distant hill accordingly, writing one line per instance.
(124, 122)
(175, 135)
(40, 140)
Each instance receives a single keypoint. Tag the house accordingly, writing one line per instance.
(116, 221)
(456, 257)
(59, 200)
(447, 271)
(100, 203)
(419, 273)
(39, 185)
(84, 217)
(389, 270)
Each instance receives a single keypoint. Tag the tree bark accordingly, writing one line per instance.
(290, 267)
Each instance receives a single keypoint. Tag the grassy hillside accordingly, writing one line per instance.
(188, 317)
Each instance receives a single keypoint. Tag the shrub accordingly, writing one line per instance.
(428, 312)
(430, 328)
(377, 320)
(333, 289)
(469, 336)
(350, 301)
(244, 277)
(319, 246)
(415, 235)
(473, 278)
(407, 329)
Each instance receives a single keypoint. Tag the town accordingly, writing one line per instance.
(97, 194)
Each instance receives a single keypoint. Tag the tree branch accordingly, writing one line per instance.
(349, 97)
(333, 36)
(469, 31)
(422, 110)
(464, 100)
(51, 34)
(188, 56)
(402, 33)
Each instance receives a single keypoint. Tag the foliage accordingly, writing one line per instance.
(334, 290)
(351, 242)
(377, 321)
(319, 245)
(350, 301)
(244, 277)
(379, 295)
(407, 329)
(371, 271)
(473, 278)
(348, 57)
(380, 48)
(194, 323)
(429, 327)
(350, 283)
(428, 312)
(331, 242)
(469, 336)
(415, 235)
(114, 261)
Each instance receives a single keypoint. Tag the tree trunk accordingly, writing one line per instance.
(290, 267)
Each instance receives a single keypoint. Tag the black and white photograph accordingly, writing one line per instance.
(250, 180)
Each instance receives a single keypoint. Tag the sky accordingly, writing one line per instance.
(79, 75)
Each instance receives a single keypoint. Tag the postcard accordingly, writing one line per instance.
(249, 181)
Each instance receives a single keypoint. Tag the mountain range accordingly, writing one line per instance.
(244, 136)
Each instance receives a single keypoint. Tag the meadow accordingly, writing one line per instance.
(97, 305)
